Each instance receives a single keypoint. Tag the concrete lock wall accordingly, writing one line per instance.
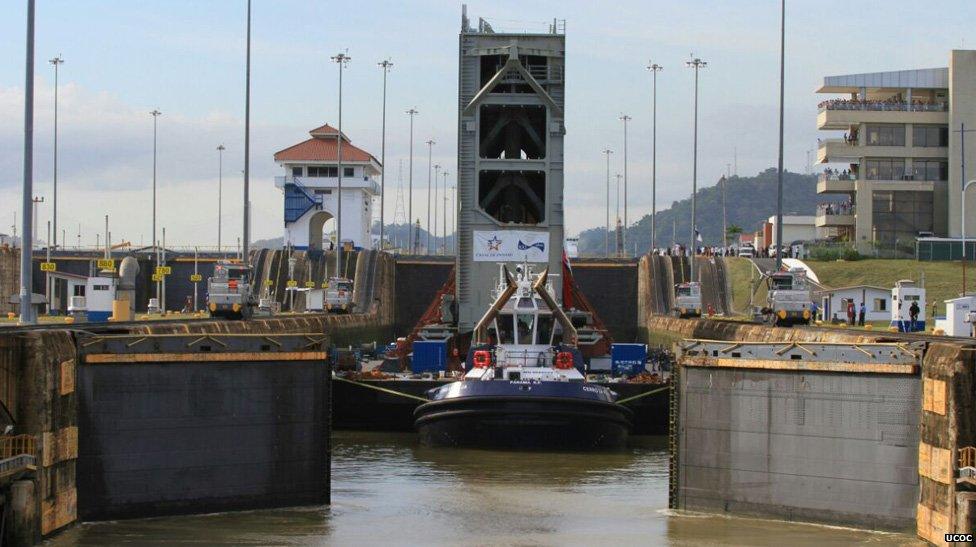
(948, 426)
(164, 438)
(828, 447)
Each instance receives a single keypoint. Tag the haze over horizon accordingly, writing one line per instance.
(187, 58)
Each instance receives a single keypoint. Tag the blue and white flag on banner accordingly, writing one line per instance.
(510, 246)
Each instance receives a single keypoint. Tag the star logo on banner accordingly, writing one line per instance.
(494, 244)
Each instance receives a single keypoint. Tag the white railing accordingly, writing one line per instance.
(883, 106)
(310, 183)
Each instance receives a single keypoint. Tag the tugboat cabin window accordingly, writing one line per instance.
(544, 329)
(506, 329)
(526, 325)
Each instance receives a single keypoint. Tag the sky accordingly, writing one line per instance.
(186, 58)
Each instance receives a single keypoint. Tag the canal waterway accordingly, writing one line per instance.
(387, 490)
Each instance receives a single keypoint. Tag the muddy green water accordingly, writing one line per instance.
(387, 490)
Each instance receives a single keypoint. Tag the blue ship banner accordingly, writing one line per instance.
(511, 246)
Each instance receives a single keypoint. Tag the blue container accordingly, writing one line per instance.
(627, 359)
(429, 356)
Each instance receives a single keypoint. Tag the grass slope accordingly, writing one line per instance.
(943, 280)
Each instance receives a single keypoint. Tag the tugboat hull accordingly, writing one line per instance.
(577, 420)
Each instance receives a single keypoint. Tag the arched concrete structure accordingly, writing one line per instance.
(316, 222)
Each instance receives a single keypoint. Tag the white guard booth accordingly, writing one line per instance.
(959, 316)
(99, 294)
(905, 292)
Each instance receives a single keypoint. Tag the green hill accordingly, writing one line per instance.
(750, 200)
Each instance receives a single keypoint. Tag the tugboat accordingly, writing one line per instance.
(524, 385)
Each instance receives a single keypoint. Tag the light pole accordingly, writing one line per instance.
(623, 234)
(618, 235)
(246, 231)
(654, 68)
(342, 60)
(35, 201)
(412, 112)
(220, 194)
(779, 171)
(963, 206)
(696, 64)
(26, 274)
(155, 114)
(437, 178)
(444, 215)
(386, 65)
(56, 61)
(430, 152)
(606, 239)
(725, 227)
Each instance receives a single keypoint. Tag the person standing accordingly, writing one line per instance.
(860, 315)
(850, 312)
(913, 316)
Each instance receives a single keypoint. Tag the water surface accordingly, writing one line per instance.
(387, 490)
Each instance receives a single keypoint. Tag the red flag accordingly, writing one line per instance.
(567, 282)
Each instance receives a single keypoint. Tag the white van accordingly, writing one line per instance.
(747, 251)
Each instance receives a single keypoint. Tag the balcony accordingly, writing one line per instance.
(837, 151)
(842, 114)
(883, 106)
(843, 151)
(312, 183)
(835, 184)
(834, 215)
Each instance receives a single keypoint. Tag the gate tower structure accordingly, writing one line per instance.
(511, 124)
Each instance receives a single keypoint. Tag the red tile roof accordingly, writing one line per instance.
(323, 147)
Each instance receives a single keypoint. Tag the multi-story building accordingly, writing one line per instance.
(311, 189)
(900, 157)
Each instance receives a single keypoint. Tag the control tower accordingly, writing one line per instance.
(511, 89)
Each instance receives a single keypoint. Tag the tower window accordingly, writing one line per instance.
(512, 132)
(517, 197)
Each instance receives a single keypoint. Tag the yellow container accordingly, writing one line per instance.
(121, 311)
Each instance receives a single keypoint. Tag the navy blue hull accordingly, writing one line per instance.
(523, 415)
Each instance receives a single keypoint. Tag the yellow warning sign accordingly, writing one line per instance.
(196, 278)
(292, 283)
(106, 264)
(157, 277)
(48, 267)
(268, 283)
(310, 284)
(164, 270)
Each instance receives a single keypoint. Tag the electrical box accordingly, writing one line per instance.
(627, 359)
(429, 356)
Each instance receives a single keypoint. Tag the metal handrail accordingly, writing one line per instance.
(15, 445)
(967, 457)
(883, 106)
